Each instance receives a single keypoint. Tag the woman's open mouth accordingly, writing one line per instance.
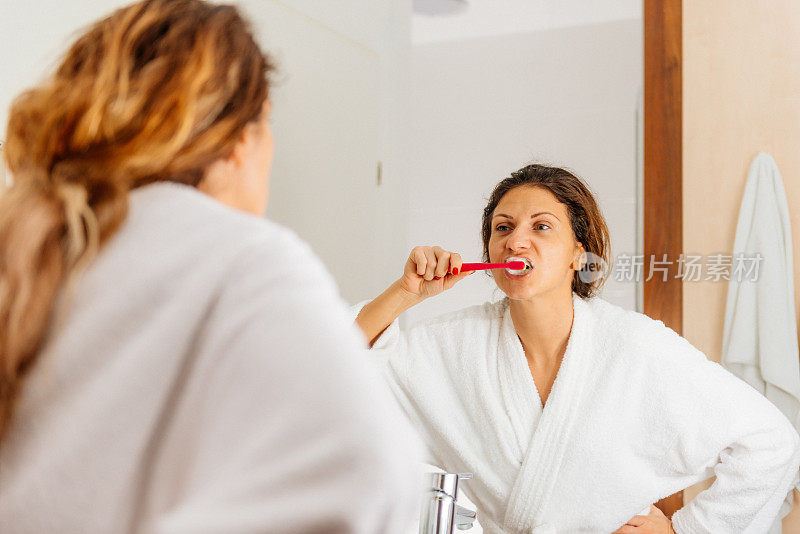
(519, 273)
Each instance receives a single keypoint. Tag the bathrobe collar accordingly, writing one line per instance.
(543, 448)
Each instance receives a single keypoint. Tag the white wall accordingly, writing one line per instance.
(484, 107)
(33, 35)
(482, 18)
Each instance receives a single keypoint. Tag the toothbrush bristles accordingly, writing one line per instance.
(519, 267)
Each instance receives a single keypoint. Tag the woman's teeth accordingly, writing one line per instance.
(524, 270)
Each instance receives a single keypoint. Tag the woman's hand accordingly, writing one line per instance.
(428, 272)
(431, 270)
(653, 523)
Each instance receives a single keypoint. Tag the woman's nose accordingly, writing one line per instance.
(518, 239)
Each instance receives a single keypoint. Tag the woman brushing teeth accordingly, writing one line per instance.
(520, 271)
(572, 413)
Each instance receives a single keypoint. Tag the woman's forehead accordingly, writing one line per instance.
(526, 201)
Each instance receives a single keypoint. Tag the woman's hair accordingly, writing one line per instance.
(156, 91)
(588, 224)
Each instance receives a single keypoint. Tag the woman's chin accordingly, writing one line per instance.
(517, 291)
(528, 288)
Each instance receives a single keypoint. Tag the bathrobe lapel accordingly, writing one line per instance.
(543, 458)
(518, 390)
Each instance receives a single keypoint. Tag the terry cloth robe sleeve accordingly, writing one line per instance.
(275, 433)
(474, 405)
(718, 425)
(391, 354)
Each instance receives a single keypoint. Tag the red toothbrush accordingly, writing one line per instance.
(517, 265)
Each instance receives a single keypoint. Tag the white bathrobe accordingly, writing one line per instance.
(206, 379)
(635, 414)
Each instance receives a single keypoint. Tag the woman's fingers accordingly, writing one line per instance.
(653, 523)
(435, 263)
(442, 261)
(637, 520)
(632, 527)
(419, 259)
(655, 511)
(455, 263)
(456, 274)
(430, 266)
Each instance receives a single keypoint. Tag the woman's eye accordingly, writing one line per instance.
(501, 227)
(542, 224)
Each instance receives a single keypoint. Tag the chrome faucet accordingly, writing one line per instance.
(440, 511)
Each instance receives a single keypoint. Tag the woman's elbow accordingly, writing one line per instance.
(795, 446)
(787, 443)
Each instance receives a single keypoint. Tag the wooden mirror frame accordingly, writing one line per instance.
(663, 165)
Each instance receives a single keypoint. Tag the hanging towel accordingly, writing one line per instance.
(759, 341)
(760, 336)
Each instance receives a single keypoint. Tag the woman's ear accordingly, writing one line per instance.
(580, 259)
(240, 150)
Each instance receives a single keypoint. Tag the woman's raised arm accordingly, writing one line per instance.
(428, 272)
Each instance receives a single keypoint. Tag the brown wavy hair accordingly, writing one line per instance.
(156, 91)
(587, 222)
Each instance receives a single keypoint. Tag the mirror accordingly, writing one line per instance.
(393, 121)
(495, 87)
(393, 124)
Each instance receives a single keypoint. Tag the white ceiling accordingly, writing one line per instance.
(482, 18)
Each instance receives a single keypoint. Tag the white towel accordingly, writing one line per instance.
(760, 335)
(635, 414)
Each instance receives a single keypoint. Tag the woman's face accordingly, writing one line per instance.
(529, 222)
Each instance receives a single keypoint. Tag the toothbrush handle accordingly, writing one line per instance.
(481, 266)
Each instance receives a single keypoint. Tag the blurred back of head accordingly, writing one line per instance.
(156, 91)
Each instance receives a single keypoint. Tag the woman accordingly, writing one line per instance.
(170, 361)
(572, 413)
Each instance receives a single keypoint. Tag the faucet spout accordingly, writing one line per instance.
(440, 513)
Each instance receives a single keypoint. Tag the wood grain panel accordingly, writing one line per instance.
(663, 158)
(663, 235)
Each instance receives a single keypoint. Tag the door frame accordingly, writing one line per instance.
(663, 170)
